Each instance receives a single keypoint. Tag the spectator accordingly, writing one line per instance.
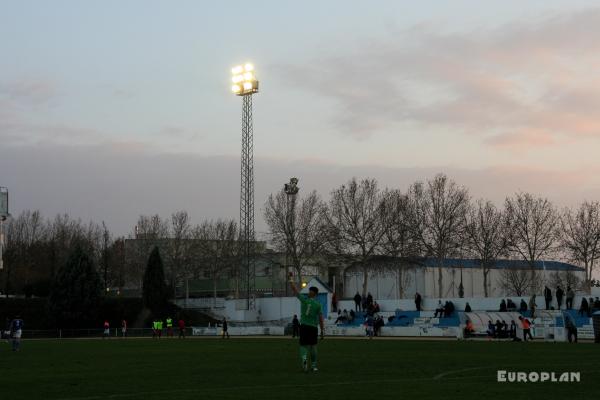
(224, 329)
(469, 329)
(570, 298)
(510, 305)
(376, 307)
(523, 306)
(379, 323)
(418, 301)
(559, 296)
(334, 302)
(369, 299)
(343, 317)
(181, 326)
(526, 328)
(159, 326)
(597, 304)
(467, 307)
(498, 328)
(448, 309)
(547, 296)
(296, 326)
(169, 322)
(124, 327)
(357, 301)
(364, 304)
(369, 323)
(491, 330)
(503, 306)
(155, 329)
(504, 329)
(590, 306)
(352, 315)
(370, 309)
(513, 329)
(106, 330)
(571, 328)
(532, 305)
(585, 307)
(439, 311)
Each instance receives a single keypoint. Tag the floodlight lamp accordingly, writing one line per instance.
(237, 70)
(247, 85)
(236, 88)
(249, 67)
(248, 76)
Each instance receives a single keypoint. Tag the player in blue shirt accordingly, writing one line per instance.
(16, 329)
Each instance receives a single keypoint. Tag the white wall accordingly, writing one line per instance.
(425, 280)
(282, 309)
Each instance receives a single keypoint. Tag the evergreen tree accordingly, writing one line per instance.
(155, 290)
(76, 292)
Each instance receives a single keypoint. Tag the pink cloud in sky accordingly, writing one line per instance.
(528, 83)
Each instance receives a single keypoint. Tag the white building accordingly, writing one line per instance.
(390, 283)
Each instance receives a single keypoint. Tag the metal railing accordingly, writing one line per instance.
(94, 333)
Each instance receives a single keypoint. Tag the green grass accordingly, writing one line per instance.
(269, 369)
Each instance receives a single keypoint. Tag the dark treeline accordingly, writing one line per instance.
(358, 224)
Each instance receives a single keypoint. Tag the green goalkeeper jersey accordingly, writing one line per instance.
(310, 310)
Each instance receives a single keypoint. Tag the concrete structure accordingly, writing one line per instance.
(389, 283)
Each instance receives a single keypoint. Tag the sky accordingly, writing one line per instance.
(112, 109)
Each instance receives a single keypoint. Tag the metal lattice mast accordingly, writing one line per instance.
(247, 194)
(245, 85)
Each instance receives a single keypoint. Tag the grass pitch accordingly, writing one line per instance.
(270, 369)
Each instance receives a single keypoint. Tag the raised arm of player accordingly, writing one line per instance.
(293, 285)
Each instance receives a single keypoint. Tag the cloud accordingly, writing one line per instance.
(534, 82)
(28, 91)
(116, 182)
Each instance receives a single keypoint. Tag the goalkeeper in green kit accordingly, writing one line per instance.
(311, 316)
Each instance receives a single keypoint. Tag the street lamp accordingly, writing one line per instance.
(291, 190)
(245, 84)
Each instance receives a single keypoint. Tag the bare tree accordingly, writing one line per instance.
(515, 281)
(438, 212)
(178, 248)
(566, 279)
(105, 256)
(581, 236)
(22, 234)
(219, 249)
(399, 242)
(486, 234)
(532, 226)
(354, 224)
(296, 229)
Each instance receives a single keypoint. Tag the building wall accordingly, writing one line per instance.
(385, 285)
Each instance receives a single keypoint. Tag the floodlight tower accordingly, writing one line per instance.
(245, 85)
